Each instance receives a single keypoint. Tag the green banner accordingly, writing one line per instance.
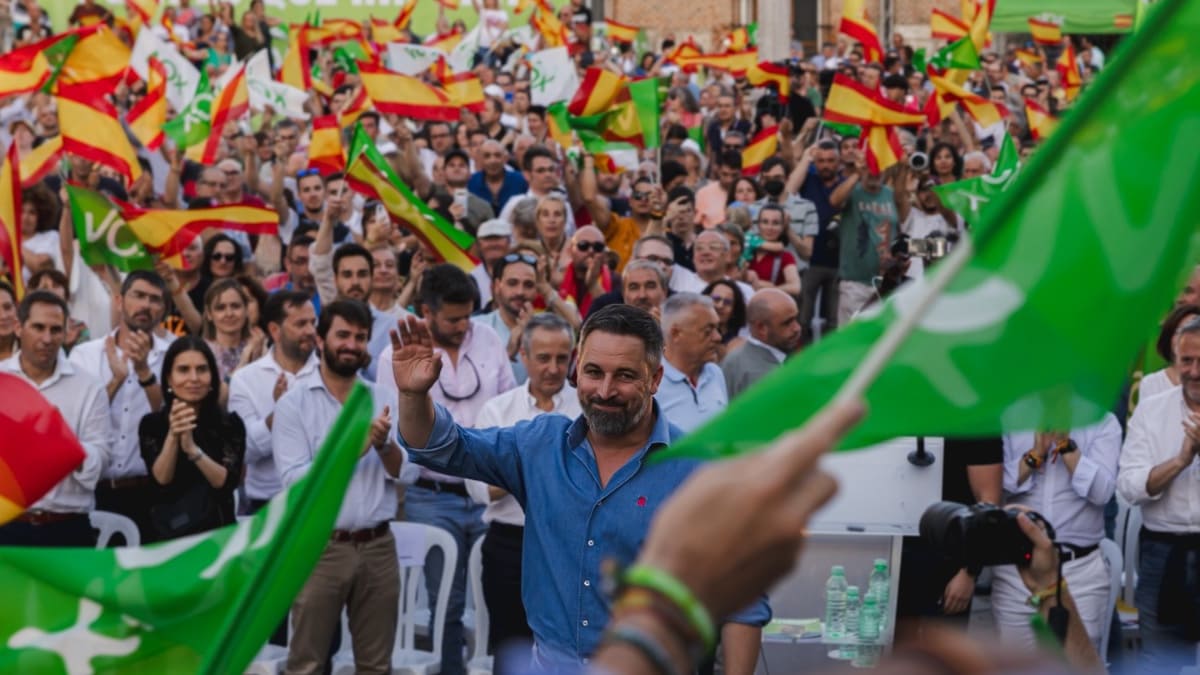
(104, 236)
(1076, 16)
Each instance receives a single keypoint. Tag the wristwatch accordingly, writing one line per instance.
(1032, 461)
(149, 381)
(1066, 447)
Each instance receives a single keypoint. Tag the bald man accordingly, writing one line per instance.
(772, 317)
(587, 276)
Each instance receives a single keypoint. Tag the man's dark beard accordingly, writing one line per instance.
(608, 423)
(292, 350)
(331, 361)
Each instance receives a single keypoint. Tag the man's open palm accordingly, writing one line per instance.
(414, 364)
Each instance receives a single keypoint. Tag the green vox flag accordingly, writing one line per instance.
(969, 197)
(1043, 313)
(648, 96)
(104, 237)
(56, 54)
(201, 604)
(843, 130)
(960, 54)
(191, 126)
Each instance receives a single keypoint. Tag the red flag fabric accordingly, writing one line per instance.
(28, 421)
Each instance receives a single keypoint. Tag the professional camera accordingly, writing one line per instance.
(980, 535)
(918, 161)
(933, 247)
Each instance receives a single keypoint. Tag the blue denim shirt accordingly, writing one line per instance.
(514, 184)
(572, 524)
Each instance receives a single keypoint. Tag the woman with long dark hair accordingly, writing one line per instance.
(192, 448)
(731, 311)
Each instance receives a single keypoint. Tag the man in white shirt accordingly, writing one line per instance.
(1068, 478)
(546, 353)
(60, 518)
(359, 568)
(773, 320)
(475, 369)
(128, 361)
(255, 389)
(1159, 472)
(692, 388)
(711, 250)
(542, 171)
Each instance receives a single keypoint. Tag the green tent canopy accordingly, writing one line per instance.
(1077, 16)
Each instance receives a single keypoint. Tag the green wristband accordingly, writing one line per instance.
(674, 590)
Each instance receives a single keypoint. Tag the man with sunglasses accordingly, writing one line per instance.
(588, 276)
(620, 232)
(516, 284)
(653, 248)
(475, 369)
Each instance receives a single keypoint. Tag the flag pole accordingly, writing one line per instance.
(855, 387)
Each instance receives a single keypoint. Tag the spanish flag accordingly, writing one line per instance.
(762, 74)
(764, 144)
(553, 32)
(857, 26)
(981, 20)
(445, 42)
(325, 146)
(147, 116)
(393, 93)
(881, 148)
(683, 50)
(850, 102)
(10, 219)
(141, 10)
(296, 70)
(383, 32)
(449, 5)
(981, 109)
(89, 127)
(331, 31)
(596, 93)
(369, 174)
(41, 161)
(1068, 71)
(739, 39)
(737, 63)
(24, 70)
(168, 232)
(619, 32)
(355, 107)
(99, 56)
(228, 106)
(1028, 58)
(1041, 122)
(404, 17)
(463, 89)
(1045, 33)
(946, 27)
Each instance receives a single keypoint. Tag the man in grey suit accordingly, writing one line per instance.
(772, 317)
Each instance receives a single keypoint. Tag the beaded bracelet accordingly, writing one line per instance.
(681, 596)
(634, 600)
(645, 645)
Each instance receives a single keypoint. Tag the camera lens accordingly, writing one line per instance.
(941, 529)
(919, 161)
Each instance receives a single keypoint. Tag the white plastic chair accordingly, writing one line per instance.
(1129, 549)
(110, 524)
(1114, 559)
(480, 662)
(406, 658)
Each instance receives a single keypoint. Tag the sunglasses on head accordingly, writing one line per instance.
(304, 173)
(594, 246)
(520, 257)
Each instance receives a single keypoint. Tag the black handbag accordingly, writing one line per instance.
(191, 512)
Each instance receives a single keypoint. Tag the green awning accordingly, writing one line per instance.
(1078, 16)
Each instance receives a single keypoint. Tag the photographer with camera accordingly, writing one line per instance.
(927, 225)
(1069, 478)
(1159, 473)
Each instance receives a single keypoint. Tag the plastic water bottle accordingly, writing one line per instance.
(853, 603)
(879, 586)
(867, 655)
(835, 607)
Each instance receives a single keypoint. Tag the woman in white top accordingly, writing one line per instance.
(1162, 380)
(39, 230)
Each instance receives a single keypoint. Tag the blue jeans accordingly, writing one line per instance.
(1164, 648)
(463, 519)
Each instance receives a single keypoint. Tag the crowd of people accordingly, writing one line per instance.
(609, 313)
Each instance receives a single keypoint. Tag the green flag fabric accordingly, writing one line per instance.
(648, 96)
(959, 54)
(969, 197)
(191, 126)
(201, 604)
(1039, 326)
(103, 235)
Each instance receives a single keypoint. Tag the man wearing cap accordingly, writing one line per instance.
(456, 171)
(492, 241)
(493, 182)
(926, 218)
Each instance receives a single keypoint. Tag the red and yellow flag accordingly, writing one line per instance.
(449, 5)
(981, 19)
(23, 70)
(463, 89)
(881, 148)
(737, 63)
(850, 102)
(355, 107)
(40, 161)
(620, 32)
(1028, 57)
(445, 42)
(383, 32)
(739, 39)
(761, 74)
(10, 221)
(1068, 71)
(407, 96)
(331, 31)
(147, 116)
(99, 56)
(981, 109)
(553, 32)
(943, 26)
(1045, 33)
(168, 232)
(89, 127)
(764, 144)
(404, 16)
(296, 70)
(1041, 122)
(325, 150)
(857, 26)
(39, 448)
(230, 104)
(596, 93)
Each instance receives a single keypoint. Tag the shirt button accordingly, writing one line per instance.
(591, 542)
(587, 582)
(584, 622)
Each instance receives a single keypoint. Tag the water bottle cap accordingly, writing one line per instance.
(880, 563)
(870, 599)
(838, 570)
(852, 590)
